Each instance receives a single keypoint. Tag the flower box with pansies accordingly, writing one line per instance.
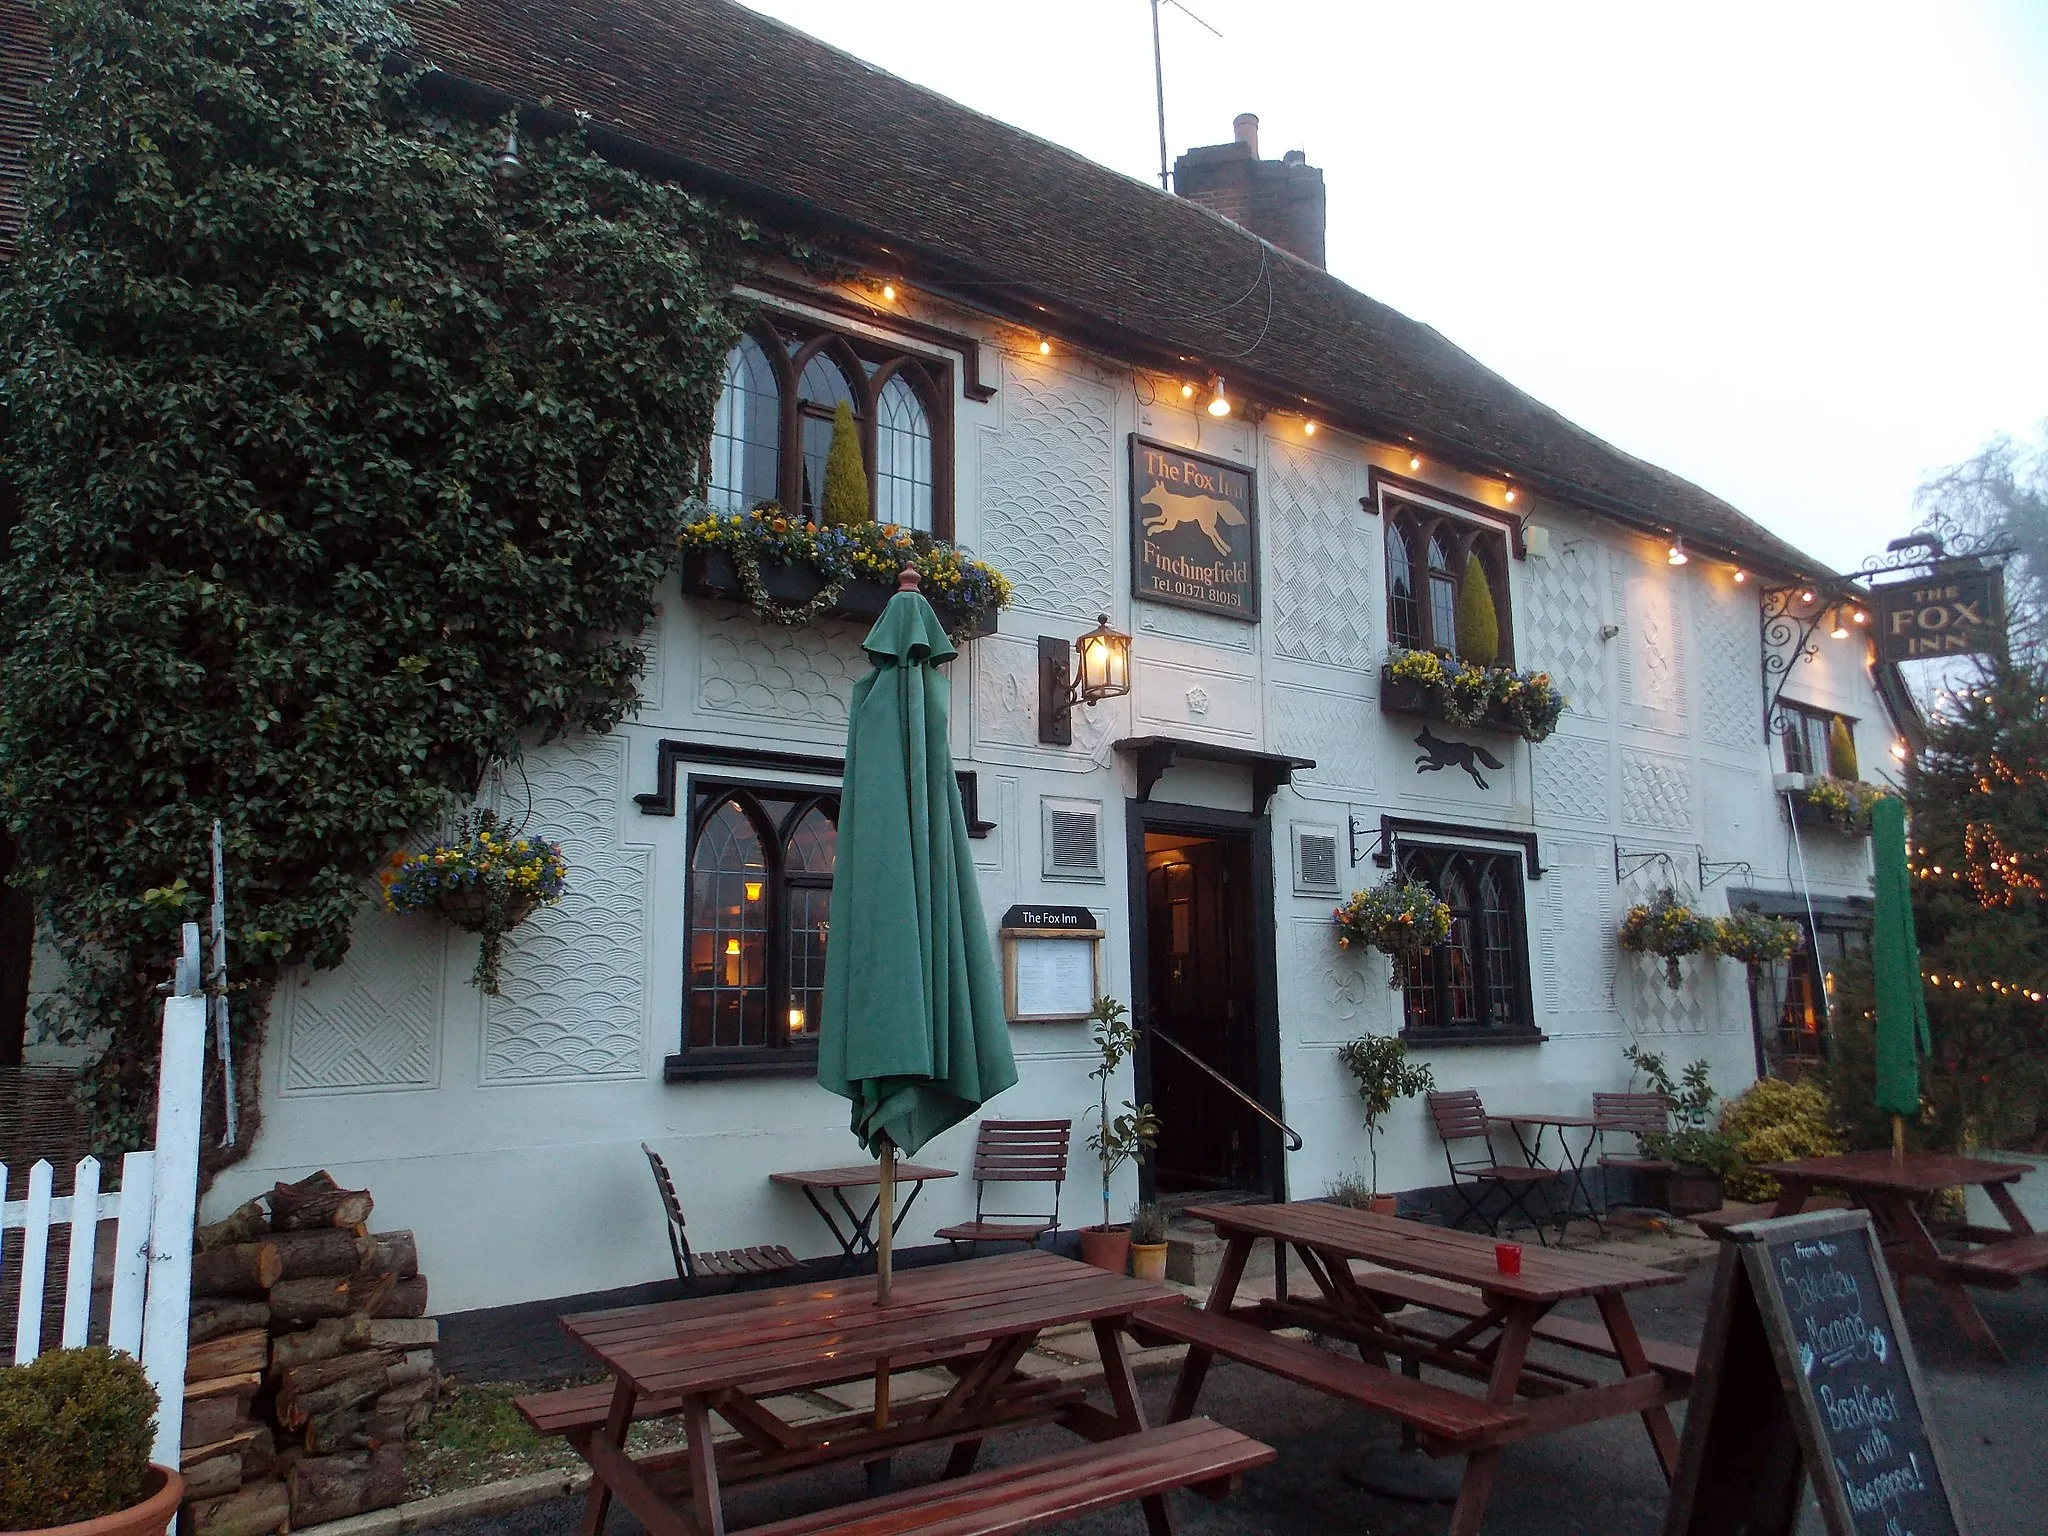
(1524, 704)
(792, 571)
(1837, 805)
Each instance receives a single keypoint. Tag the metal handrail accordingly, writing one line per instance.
(1294, 1141)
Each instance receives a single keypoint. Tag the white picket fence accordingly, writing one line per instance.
(153, 1212)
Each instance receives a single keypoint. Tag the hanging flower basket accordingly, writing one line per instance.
(1524, 704)
(484, 880)
(1667, 927)
(1399, 917)
(1755, 939)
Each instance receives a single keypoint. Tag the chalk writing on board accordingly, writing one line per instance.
(1869, 1419)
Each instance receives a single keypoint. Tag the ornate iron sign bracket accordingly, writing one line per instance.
(1638, 860)
(1787, 638)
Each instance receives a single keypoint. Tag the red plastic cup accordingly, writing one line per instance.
(1507, 1257)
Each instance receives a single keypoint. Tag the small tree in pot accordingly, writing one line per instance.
(1117, 1138)
(1702, 1158)
(76, 1426)
(1385, 1076)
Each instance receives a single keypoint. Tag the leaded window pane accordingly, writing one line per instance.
(1403, 618)
(729, 929)
(903, 458)
(746, 431)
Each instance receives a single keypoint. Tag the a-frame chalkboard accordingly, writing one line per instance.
(1805, 1370)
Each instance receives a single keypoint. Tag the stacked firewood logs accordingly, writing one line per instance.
(310, 1363)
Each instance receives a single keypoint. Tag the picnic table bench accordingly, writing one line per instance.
(1497, 1320)
(1895, 1191)
(730, 1356)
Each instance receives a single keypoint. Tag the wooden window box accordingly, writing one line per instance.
(1404, 696)
(711, 573)
(1820, 819)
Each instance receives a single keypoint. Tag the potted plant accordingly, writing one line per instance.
(1117, 1139)
(1838, 804)
(1399, 917)
(482, 878)
(1701, 1158)
(1148, 1242)
(1667, 927)
(76, 1426)
(1385, 1076)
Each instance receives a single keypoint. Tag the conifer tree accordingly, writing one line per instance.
(845, 502)
(1841, 750)
(1478, 623)
(1978, 846)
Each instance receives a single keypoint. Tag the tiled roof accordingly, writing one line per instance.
(810, 136)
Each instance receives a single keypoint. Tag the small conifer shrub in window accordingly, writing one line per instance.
(845, 502)
(1478, 621)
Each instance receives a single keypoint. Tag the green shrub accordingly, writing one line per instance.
(76, 1426)
(844, 503)
(1478, 622)
(1774, 1121)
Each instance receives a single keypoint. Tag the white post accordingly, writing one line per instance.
(85, 1231)
(174, 1207)
(131, 1253)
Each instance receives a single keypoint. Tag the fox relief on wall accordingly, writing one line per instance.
(1194, 536)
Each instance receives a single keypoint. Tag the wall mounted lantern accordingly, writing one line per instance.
(1104, 673)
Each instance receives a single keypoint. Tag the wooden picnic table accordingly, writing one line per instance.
(733, 1355)
(855, 1239)
(1894, 1190)
(1495, 1322)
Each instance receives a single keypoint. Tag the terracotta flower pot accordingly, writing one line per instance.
(163, 1492)
(1381, 1205)
(1148, 1261)
(1106, 1248)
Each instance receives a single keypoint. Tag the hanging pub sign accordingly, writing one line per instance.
(1194, 533)
(1951, 613)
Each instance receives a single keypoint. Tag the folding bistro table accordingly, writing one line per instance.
(856, 1239)
(1578, 1200)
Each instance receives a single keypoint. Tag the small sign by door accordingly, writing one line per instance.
(1194, 538)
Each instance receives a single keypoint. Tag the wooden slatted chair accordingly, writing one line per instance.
(1631, 1114)
(1461, 1118)
(1015, 1152)
(736, 1264)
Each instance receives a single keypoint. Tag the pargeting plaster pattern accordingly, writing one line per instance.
(573, 1001)
(1048, 491)
(1731, 659)
(1323, 564)
(1571, 777)
(1652, 655)
(1342, 991)
(1560, 621)
(373, 1022)
(1332, 728)
(1575, 938)
(1656, 791)
(765, 672)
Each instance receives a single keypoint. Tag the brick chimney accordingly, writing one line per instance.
(1281, 200)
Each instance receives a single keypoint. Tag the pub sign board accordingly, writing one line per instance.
(1951, 613)
(1806, 1374)
(1194, 532)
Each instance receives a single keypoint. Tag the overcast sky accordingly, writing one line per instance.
(1795, 252)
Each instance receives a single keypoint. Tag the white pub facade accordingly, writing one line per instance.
(1208, 821)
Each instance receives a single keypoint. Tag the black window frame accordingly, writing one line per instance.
(782, 1054)
(867, 364)
(1432, 974)
(1799, 720)
(1421, 524)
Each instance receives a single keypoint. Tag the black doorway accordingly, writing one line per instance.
(1202, 962)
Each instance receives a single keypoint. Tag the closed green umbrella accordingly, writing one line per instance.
(912, 1029)
(1902, 1034)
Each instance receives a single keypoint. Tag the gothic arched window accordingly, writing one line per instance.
(1430, 556)
(903, 457)
(1404, 623)
(761, 864)
(746, 432)
(1479, 978)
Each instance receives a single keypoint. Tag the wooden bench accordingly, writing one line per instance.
(1675, 1361)
(1448, 1421)
(2004, 1264)
(1194, 1453)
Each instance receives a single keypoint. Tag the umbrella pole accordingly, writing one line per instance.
(1898, 1138)
(885, 1243)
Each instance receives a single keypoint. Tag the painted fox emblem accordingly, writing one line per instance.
(1170, 510)
(1438, 753)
